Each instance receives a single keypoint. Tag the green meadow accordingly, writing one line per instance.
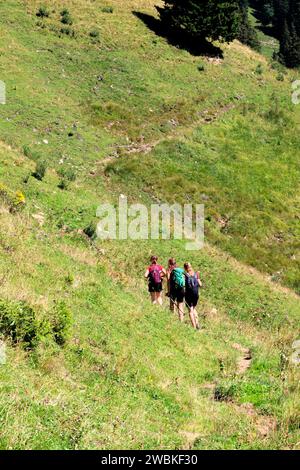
(106, 106)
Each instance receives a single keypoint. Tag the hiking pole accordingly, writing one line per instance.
(195, 318)
(174, 303)
(177, 305)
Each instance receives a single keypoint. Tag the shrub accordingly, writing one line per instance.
(27, 151)
(66, 18)
(61, 322)
(18, 323)
(94, 34)
(18, 201)
(91, 230)
(67, 31)
(26, 177)
(63, 184)
(259, 69)
(69, 279)
(280, 77)
(225, 392)
(64, 12)
(68, 175)
(107, 10)
(30, 153)
(14, 201)
(278, 67)
(43, 12)
(201, 67)
(40, 170)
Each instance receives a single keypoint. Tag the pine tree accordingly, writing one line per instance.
(287, 24)
(295, 15)
(247, 33)
(281, 12)
(267, 12)
(200, 19)
(290, 46)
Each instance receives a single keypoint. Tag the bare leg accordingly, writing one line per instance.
(159, 299)
(153, 297)
(172, 305)
(180, 311)
(196, 319)
(193, 317)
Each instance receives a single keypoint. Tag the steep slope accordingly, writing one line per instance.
(233, 127)
(131, 376)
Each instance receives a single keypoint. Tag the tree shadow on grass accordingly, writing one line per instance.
(181, 41)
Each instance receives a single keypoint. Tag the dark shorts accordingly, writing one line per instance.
(155, 287)
(191, 299)
(177, 295)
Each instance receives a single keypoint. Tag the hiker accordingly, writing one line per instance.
(171, 265)
(155, 274)
(176, 283)
(192, 285)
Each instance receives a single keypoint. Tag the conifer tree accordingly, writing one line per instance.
(287, 25)
(247, 33)
(200, 19)
(290, 46)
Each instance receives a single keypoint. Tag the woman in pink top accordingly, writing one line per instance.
(155, 274)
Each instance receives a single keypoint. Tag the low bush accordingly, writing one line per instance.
(26, 177)
(69, 279)
(43, 12)
(91, 230)
(225, 392)
(107, 10)
(19, 200)
(14, 201)
(63, 184)
(280, 77)
(29, 153)
(68, 31)
(94, 34)
(259, 69)
(66, 18)
(61, 322)
(67, 173)
(67, 176)
(278, 67)
(40, 170)
(18, 323)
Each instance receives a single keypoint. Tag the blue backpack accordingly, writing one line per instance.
(191, 284)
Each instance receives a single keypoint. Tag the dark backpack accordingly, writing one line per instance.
(177, 278)
(191, 284)
(154, 274)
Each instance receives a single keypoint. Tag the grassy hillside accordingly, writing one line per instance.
(125, 111)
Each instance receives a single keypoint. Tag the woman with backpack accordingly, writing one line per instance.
(155, 274)
(176, 283)
(192, 285)
(171, 265)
